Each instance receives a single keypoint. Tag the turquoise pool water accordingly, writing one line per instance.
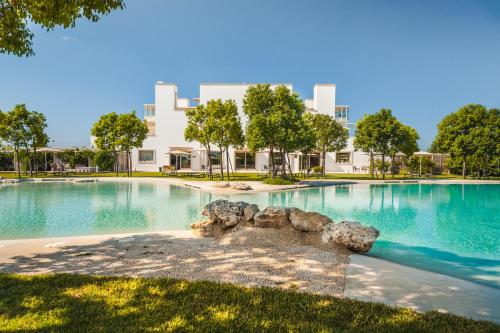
(449, 229)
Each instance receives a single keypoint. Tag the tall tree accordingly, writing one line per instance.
(307, 138)
(364, 140)
(14, 131)
(16, 16)
(330, 136)
(404, 140)
(131, 134)
(286, 119)
(260, 131)
(107, 136)
(458, 133)
(200, 128)
(226, 128)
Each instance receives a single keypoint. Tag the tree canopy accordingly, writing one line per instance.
(119, 132)
(330, 136)
(15, 16)
(24, 129)
(382, 133)
(471, 136)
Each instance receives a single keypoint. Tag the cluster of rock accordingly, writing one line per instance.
(234, 185)
(8, 181)
(223, 216)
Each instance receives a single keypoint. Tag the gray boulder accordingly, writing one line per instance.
(249, 212)
(227, 213)
(351, 235)
(241, 186)
(272, 217)
(308, 221)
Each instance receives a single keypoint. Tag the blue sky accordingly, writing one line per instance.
(423, 59)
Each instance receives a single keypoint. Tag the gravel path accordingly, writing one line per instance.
(300, 267)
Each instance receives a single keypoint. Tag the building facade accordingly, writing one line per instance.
(166, 121)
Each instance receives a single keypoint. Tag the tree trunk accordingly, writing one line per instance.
(227, 163)
(221, 163)
(283, 164)
(372, 164)
(29, 160)
(464, 167)
(323, 163)
(392, 166)
(383, 166)
(35, 160)
(116, 163)
(209, 163)
(17, 162)
(271, 161)
(289, 165)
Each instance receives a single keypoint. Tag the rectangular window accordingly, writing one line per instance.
(181, 161)
(146, 156)
(245, 160)
(343, 157)
(309, 160)
(215, 158)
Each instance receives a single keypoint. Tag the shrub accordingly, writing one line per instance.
(278, 181)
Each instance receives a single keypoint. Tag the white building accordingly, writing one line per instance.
(166, 121)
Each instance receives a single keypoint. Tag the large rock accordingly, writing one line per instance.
(250, 211)
(272, 217)
(352, 235)
(207, 228)
(308, 221)
(241, 186)
(225, 212)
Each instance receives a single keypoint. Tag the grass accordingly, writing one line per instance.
(238, 176)
(79, 303)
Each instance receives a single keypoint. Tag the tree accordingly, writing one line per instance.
(16, 15)
(461, 133)
(286, 119)
(373, 135)
(487, 142)
(13, 132)
(307, 138)
(330, 136)
(107, 136)
(274, 122)
(226, 128)
(131, 134)
(404, 140)
(200, 128)
(260, 129)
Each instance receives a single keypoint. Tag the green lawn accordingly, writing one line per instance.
(238, 176)
(73, 303)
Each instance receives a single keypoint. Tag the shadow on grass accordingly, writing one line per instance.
(75, 303)
(90, 303)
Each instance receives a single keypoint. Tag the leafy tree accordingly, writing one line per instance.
(307, 138)
(487, 153)
(404, 140)
(226, 127)
(364, 139)
(373, 135)
(104, 160)
(261, 128)
(24, 129)
(15, 16)
(463, 135)
(116, 133)
(274, 122)
(286, 118)
(107, 136)
(131, 134)
(330, 136)
(200, 127)
(420, 165)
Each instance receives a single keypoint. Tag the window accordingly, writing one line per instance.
(306, 159)
(343, 157)
(215, 157)
(245, 160)
(146, 156)
(181, 161)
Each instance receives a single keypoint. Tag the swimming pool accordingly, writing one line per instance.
(449, 229)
